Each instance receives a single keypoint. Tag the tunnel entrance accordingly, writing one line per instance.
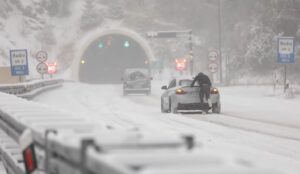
(107, 57)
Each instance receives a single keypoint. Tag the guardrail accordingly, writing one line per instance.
(68, 144)
(30, 89)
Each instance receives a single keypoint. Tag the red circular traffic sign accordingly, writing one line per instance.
(181, 64)
(51, 68)
(213, 67)
(41, 56)
(42, 68)
(213, 55)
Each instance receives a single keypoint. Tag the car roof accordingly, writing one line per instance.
(130, 70)
(183, 78)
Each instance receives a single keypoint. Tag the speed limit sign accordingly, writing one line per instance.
(213, 67)
(213, 55)
(42, 68)
(42, 56)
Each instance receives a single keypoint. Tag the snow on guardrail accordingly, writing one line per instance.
(32, 88)
(80, 146)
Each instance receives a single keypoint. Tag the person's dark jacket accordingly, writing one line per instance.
(201, 79)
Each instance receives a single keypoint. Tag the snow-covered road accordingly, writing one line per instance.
(252, 125)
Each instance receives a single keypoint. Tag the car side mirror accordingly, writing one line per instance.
(164, 87)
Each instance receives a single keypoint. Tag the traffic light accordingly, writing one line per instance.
(126, 44)
(101, 44)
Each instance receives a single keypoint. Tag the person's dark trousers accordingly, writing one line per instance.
(204, 92)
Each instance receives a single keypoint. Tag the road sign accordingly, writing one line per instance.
(41, 56)
(152, 34)
(42, 68)
(51, 68)
(169, 34)
(213, 67)
(213, 55)
(177, 34)
(286, 50)
(18, 62)
(180, 64)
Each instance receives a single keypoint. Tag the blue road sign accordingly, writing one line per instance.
(286, 50)
(18, 62)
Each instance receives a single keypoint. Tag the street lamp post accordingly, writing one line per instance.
(220, 40)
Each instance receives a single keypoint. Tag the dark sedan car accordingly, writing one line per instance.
(136, 81)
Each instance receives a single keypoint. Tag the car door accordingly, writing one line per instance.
(168, 93)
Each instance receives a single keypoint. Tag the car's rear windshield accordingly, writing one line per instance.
(137, 75)
(185, 82)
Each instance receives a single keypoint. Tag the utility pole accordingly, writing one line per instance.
(191, 53)
(220, 40)
(284, 80)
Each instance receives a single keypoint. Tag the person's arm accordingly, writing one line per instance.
(194, 81)
(208, 80)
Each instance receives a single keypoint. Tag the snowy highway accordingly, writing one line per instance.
(68, 71)
(251, 125)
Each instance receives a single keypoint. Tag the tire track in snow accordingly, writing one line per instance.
(261, 127)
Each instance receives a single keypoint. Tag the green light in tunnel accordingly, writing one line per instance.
(126, 44)
(101, 44)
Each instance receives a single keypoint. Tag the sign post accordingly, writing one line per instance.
(213, 65)
(285, 54)
(19, 63)
(42, 67)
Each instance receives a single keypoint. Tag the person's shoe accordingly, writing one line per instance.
(204, 111)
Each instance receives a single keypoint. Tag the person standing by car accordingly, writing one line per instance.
(204, 84)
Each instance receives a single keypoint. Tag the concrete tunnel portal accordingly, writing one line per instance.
(105, 58)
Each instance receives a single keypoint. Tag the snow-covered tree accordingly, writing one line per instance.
(91, 16)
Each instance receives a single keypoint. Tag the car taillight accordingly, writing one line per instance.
(214, 91)
(180, 91)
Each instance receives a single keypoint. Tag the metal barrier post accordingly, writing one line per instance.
(189, 140)
(85, 143)
(48, 131)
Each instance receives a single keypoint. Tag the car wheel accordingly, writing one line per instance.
(163, 110)
(174, 110)
(216, 108)
(172, 107)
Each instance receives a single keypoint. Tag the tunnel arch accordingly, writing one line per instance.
(94, 36)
